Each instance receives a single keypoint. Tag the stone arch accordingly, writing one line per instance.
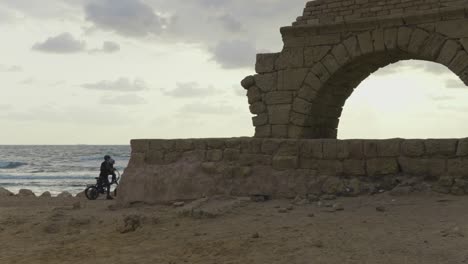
(300, 92)
(317, 107)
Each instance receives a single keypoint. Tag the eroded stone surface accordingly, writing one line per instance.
(283, 168)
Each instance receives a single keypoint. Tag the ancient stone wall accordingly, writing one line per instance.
(300, 92)
(167, 170)
(321, 12)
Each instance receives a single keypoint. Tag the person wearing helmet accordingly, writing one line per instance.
(107, 168)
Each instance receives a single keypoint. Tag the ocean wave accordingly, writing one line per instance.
(11, 165)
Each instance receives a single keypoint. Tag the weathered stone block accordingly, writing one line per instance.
(352, 46)
(184, 145)
(320, 71)
(278, 97)
(231, 154)
(354, 168)
(290, 58)
(247, 159)
(263, 131)
(285, 162)
(459, 62)
(432, 47)
(194, 156)
(448, 52)
(379, 167)
(315, 54)
(266, 62)
(312, 149)
(215, 143)
(414, 166)
(270, 146)
(253, 145)
(389, 147)
(371, 148)
(172, 157)
(323, 40)
(260, 120)
(288, 148)
(333, 185)
(248, 82)
(390, 38)
(302, 106)
(280, 131)
(443, 147)
(412, 147)
(279, 114)
(453, 28)
(458, 167)
(365, 42)
(137, 160)
(139, 146)
(355, 149)
(291, 80)
(161, 144)
(404, 35)
(330, 148)
(267, 81)
(418, 38)
(254, 95)
(378, 40)
(462, 149)
(330, 63)
(329, 167)
(341, 54)
(257, 108)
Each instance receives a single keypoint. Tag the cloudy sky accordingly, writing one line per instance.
(107, 71)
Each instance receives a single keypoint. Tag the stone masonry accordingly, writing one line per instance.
(186, 169)
(336, 44)
(297, 97)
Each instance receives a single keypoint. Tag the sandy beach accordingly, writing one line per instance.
(383, 228)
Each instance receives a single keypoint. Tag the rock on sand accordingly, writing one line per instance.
(26, 193)
(4, 192)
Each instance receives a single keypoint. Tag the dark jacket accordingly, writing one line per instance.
(106, 169)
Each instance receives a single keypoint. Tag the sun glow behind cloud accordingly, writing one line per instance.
(406, 100)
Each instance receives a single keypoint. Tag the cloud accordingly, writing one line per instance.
(63, 43)
(130, 99)
(442, 97)
(4, 107)
(13, 68)
(234, 54)
(122, 85)
(206, 109)
(453, 108)
(131, 18)
(455, 84)
(189, 90)
(230, 23)
(107, 47)
(68, 115)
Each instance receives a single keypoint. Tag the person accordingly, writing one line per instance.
(107, 168)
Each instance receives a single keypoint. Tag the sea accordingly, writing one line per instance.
(56, 168)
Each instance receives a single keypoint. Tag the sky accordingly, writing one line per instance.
(107, 71)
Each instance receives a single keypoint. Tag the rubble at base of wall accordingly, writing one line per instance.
(187, 169)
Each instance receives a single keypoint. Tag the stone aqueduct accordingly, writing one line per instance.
(297, 97)
(335, 45)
